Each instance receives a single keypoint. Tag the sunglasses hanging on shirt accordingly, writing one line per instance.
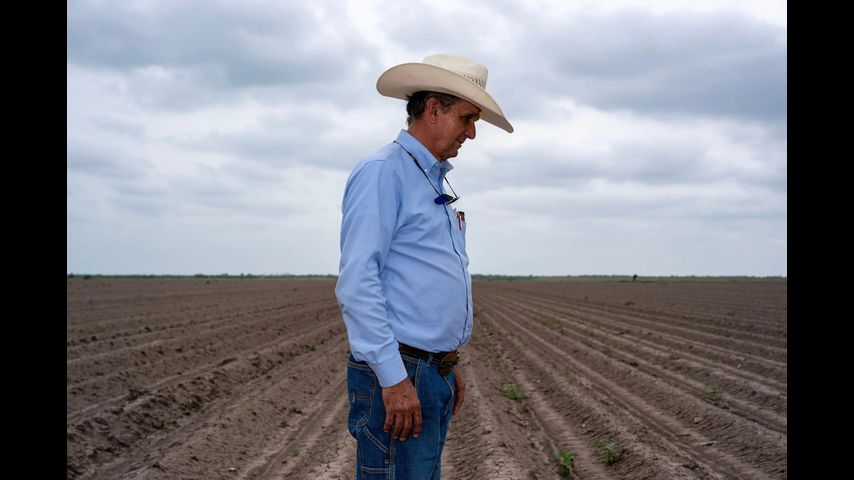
(443, 198)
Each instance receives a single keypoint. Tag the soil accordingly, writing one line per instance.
(245, 379)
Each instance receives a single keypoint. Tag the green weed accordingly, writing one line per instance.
(547, 322)
(612, 453)
(713, 394)
(511, 391)
(566, 460)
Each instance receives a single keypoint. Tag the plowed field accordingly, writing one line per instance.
(245, 379)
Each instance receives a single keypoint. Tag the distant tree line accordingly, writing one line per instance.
(624, 278)
(200, 275)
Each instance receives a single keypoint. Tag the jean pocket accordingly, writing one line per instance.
(373, 456)
(365, 422)
(413, 368)
(449, 381)
(361, 390)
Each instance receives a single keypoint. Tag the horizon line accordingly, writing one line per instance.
(330, 275)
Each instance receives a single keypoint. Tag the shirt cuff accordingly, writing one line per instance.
(390, 372)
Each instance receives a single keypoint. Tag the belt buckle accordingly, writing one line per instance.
(447, 363)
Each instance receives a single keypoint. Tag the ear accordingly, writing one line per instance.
(432, 109)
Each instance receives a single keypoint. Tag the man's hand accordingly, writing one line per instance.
(460, 389)
(402, 410)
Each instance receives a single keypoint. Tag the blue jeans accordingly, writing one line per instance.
(377, 455)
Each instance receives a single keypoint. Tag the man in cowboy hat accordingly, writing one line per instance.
(404, 288)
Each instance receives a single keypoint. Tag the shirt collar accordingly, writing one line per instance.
(426, 159)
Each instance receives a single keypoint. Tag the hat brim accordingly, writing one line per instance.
(404, 80)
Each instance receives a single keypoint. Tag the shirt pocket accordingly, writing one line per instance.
(459, 220)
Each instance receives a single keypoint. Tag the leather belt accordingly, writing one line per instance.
(445, 360)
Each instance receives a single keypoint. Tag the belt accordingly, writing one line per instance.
(445, 360)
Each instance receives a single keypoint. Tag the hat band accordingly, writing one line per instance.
(476, 80)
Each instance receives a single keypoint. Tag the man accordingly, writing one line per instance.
(404, 288)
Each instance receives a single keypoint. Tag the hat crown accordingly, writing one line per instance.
(458, 76)
(464, 67)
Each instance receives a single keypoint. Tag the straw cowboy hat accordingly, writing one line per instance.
(449, 74)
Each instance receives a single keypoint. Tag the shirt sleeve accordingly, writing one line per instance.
(372, 199)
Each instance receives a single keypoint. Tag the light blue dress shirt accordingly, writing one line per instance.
(403, 275)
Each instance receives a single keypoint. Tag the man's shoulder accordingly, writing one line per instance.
(381, 168)
(387, 159)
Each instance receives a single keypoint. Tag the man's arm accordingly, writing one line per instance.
(369, 220)
(371, 201)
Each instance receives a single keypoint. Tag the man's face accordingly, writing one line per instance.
(454, 127)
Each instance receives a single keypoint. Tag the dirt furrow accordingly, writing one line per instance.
(651, 338)
(309, 445)
(158, 360)
(483, 441)
(554, 366)
(770, 354)
(675, 303)
(246, 398)
(121, 319)
(82, 318)
(90, 344)
(551, 432)
(696, 322)
(113, 429)
(85, 309)
(766, 406)
(664, 410)
(339, 460)
(132, 387)
(759, 369)
(216, 325)
(646, 454)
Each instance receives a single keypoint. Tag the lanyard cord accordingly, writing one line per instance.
(425, 173)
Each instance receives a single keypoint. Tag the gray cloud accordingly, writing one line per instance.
(718, 64)
(145, 199)
(120, 125)
(278, 141)
(188, 54)
(198, 128)
(307, 133)
(629, 202)
(752, 84)
(646, 163)
(82, 158)
(721, 64)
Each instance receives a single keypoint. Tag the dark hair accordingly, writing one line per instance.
(418, 102)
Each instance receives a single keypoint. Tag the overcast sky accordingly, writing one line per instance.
(216, 137)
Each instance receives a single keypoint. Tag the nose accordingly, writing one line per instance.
(471, 131)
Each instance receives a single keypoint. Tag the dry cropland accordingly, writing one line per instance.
(245, 378)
